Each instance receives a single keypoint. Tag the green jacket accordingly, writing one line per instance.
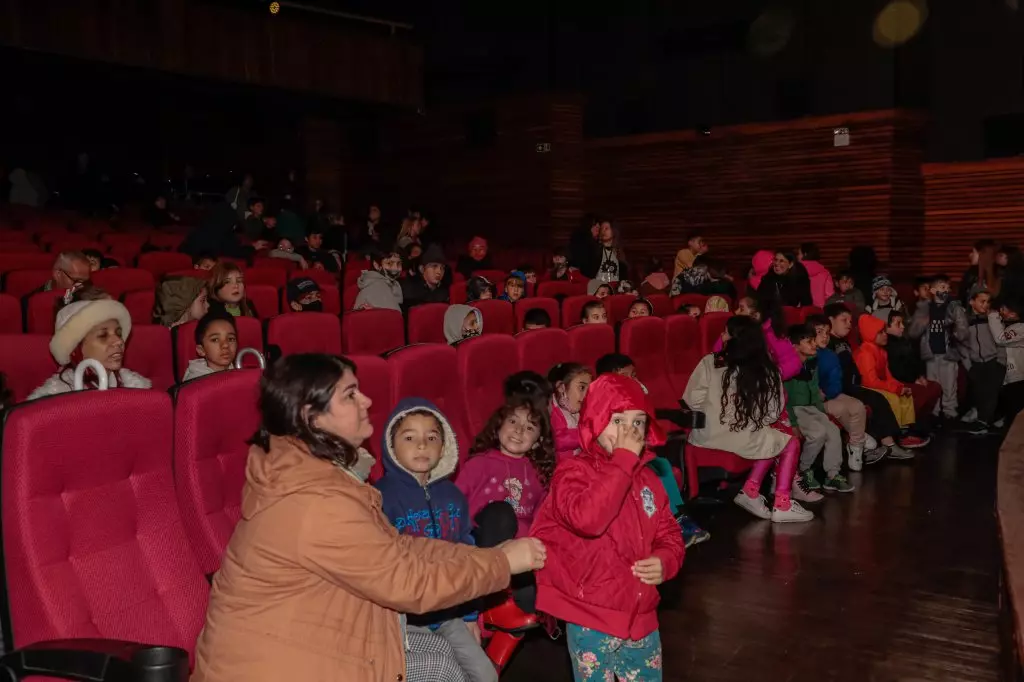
(803, 391)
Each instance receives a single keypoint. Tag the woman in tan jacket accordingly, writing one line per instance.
(315, 578)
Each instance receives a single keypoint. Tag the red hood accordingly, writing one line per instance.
(869, 327)
(761, 261)
(813, 267)
(609, 394)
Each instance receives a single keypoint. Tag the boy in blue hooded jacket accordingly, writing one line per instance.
(420, 454)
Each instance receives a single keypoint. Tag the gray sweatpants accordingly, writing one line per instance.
(820, 435)
(470, 656)
(945, 372)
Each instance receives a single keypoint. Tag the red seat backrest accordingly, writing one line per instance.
(214, 416)
(148, 352)
(683, 339)
(809, 310)
(19, 283)
(125, 241)
(495, 277)
(572, 308)
(329, 295)
(541, 349)
(588, 342)
(92, 536)
(644, 340)
(166, 240)
(140, 305)
(10, 315)
(457, 292)
(183, 337)
(162, 262)
(26, 261)
(117, 281)
(264, 298)
(26, 362)
(273, 277)
(305, 333)
(375, 382)
(662, 304)
(566, 289)
(548, 305)
(792, 315)
(431, 371)
(426, 323)
(711, 327)
(271, 263)
(484, 362)
(499, 318)
(41, 311)
(618, 306)
(372, 332)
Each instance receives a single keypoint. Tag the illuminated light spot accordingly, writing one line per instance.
(899, 21)
(275, 7)
(771, 31)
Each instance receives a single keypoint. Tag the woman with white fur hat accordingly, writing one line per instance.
(94, 330)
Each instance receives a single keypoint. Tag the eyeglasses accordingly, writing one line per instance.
(74, 280)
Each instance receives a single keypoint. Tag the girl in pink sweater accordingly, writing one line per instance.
(570, 382)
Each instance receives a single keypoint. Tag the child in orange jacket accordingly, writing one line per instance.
(873, 364)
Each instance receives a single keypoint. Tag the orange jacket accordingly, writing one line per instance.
(871, 359)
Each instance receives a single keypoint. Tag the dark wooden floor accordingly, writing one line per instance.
(896, 582)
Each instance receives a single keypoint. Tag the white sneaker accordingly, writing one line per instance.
(869, 442)
(856, 460)
(970, 416)
(795, 514)
(1000, 423)
(755, 505)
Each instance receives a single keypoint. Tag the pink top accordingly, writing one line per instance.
(492, 476)
(822, 286)
(565, 429)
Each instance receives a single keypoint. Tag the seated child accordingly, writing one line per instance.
(847, 293)
(745, 378)
(379, 287)
(641, 308)
(536, 318)
(985, 362)
(626, 287)
(479, 289)
(304, 296)
(418, 497)
(203, 261)
(598, 288)
(594, 313)
(569, 381)
(1008, 332)
(905, 365)
(462, 322)
(873, 364)
(315, 255)
(808, 418)
(922, 289)
(216, 346)
(716, 304)
(529, 273)
(530, 386)
(884, 299)
(226, 291)
(515, 287)
(180, 300)
(940, 324)
(607, 506)
(767, 311)
(286, 250)
(690, 309)
(560, 270)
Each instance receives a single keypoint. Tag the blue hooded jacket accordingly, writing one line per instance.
(437, 510)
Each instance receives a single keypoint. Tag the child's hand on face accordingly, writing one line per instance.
(649, 571)
(629, 437)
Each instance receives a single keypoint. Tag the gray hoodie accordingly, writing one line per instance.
(453, 319)
(955, 325)
(377, 290)
(981, 345)
(1010, 337)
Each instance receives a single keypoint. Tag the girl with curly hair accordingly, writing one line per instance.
(739, 390)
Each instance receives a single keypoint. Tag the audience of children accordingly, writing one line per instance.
(594, 312)
(873, 365)
(226, 291)
(847, 293)
(380, 287)
(906, 366)
(605, 504)
(180, 300)
(462, 322)
(569, 382)
(941, 326)
(536, 318)
(315, 255)
(303, 295)
(768, 313)
(216, 345)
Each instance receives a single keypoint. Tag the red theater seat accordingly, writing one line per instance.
(214, 416)
(484, 362)
(271, 263)
(372, 332)
(264, 298)
(26, 261)
(792, 315)
(711, 327)
(618, 306)
(457, 292)
(20, 283)
(699, 300)
(548, 305)
(149, 353)
(117, 281)
(162, 262)
(564, 289)
(375, 383)
(695, 457)
(272, 277)
(572, 308)
(682, 337)
(166, 240)
(499, 318)
(662, 304)
(430, 371)
(541, 349)
(250, 335)
(643, 339)
(588, 342)
(125, 241)
(41, 311)
(140, 305)
(10, 315)
(321, 277)
(93, 542)
(305, 333)
(426, 323)
(808, 310)
(26, 362)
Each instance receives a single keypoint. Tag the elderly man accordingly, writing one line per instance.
(70, 268)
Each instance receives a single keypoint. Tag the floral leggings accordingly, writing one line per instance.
(600, 657)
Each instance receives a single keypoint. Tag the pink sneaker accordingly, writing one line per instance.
(803, 493)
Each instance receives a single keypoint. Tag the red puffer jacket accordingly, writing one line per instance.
(604, 512)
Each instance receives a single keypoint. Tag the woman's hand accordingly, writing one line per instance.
(629, 437)
(524, 554)
(649, 571)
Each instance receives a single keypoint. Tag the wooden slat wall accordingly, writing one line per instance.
(964, 202)
(292, 51)
(762, 186)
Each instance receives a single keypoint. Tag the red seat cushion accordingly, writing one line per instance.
(662, 304)
(617, 306)
(430, 371)
(140, 305)
(711, 327)
(20, 283)
(682, 337)
(572, 308)
(374, 375)
(643, 339)
(272, 277)
(563, 289)
(41, 312)
(696, 457)
(10, 260)
(162, 262)
(698, 300)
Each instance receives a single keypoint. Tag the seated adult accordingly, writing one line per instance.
(90, 329)
(787, 280)
(477, 259)
(315, 578)
(180, 300)
(70, 268)
(425, 286)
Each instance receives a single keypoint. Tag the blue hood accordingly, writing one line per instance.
(449, 451)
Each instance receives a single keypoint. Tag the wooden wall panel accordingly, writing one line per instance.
(293, 50)
(965, 202)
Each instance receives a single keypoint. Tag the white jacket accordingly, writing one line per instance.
(1010, 337)
(64, 382)
(197, 368)
(704, 394)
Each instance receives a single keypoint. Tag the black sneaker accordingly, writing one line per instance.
(977, 428)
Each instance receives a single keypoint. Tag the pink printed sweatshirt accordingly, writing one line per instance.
(495, 477)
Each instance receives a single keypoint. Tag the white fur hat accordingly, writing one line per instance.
(76, 319)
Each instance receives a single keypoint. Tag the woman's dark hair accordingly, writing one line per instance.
(6, 394)
(751, 380)
(542, 455)
(293, 392)
(810, 251)
(788, 255)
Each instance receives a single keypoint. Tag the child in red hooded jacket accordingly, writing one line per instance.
(606, 505)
